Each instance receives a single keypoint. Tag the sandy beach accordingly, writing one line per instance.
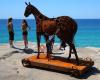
(11, 67)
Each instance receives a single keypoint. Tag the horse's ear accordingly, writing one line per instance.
(26, 3)
(29, 3)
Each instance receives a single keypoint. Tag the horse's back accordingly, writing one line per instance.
(68, 22)
(68, 28)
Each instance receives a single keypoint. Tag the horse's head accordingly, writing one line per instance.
(30, 9)
(27, 10)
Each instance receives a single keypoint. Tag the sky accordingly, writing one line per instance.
(78, 9)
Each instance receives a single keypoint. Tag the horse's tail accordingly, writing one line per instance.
(76, 27)
(75, 31)
(73, 28)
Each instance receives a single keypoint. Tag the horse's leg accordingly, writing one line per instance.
(48, 45)
(75, 52)
(72, 47)
(70, 51)
(38, 43)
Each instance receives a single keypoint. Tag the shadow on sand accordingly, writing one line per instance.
(88, 73)
(27, 51)
(9, 54)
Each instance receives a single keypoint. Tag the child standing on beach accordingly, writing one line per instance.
(25, 32)
(11, 32)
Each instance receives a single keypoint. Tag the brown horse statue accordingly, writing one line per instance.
(63, 27)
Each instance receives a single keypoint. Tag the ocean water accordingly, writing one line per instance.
(88, 34)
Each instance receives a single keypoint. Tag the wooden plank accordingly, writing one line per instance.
(59, 64)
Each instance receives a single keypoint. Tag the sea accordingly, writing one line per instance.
(88, 33)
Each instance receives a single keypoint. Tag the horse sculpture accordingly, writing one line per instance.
(64, 27)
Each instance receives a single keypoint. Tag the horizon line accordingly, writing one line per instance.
(34, 19)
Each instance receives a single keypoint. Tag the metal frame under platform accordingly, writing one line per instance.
(59, 64)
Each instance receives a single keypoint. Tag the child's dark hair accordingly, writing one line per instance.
(25, 22)
(10, 19)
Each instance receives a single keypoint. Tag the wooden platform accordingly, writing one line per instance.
(59, 64)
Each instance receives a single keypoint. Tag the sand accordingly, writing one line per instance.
(11, 67)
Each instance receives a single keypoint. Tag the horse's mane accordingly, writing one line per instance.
(37, 12)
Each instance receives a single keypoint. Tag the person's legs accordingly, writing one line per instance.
(11, 39)
(25, 41)
(49, 50)
(11, 43)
